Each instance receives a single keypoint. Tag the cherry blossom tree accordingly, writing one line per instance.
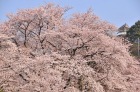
(81, 30)
(89, 21)
(32, 23)
(63, 55)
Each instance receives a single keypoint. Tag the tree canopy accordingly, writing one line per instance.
(134, 32)
(41, 51)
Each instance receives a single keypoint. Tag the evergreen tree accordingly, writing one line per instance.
(134, 32)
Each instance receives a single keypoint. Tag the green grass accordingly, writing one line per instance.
(1, 90)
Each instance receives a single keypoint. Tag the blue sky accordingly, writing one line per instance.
(116, 12)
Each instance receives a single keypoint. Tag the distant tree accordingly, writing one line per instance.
(134, 32)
